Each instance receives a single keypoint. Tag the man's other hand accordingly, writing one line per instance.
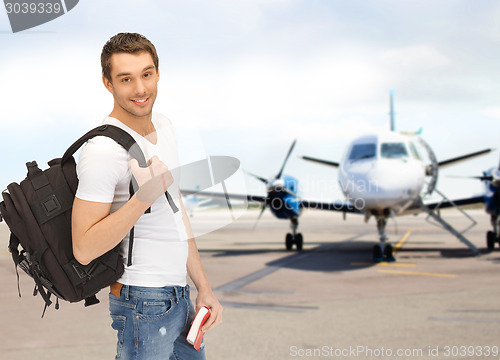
(153, 180)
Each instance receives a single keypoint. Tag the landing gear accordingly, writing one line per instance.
(492, 236)
(290, 240)
(381, 222)
(299, 241)
(377, 253)
(294, 237)
(490, 240)
(382, 251)
(388, 253)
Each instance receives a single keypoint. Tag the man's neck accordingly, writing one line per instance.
(140, 124)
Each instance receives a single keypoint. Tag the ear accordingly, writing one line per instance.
(107, 84)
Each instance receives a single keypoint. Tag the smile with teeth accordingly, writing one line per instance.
(140, 101)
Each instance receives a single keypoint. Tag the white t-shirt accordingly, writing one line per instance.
(160, 248)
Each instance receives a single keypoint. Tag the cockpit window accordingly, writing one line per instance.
(393, 150)
(362, 151)
(414, 151)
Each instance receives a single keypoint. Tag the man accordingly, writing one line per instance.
(149, 305)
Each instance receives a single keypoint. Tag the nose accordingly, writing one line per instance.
(140, 87)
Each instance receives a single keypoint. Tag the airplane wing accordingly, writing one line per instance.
(441, 164)
(333, 206)
(210, 194)
(463, 157)
(321, 161)
(349, 208)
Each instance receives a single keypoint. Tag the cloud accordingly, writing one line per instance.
(251, 92)
(492, 111)
(414, 59)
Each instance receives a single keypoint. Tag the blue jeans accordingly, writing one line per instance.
(152, 323)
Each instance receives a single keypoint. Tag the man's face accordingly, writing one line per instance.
(133, 84)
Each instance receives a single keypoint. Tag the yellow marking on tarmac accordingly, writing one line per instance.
(384, 263)
(394, 264)
(401, 242)
(401, 272)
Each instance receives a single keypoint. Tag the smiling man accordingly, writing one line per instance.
(150, 305)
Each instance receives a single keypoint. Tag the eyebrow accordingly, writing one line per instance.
(143, 70)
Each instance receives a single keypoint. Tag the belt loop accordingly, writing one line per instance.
(126, 291)
(176, 292)
(186, 291)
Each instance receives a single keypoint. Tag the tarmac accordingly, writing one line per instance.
(437, 301)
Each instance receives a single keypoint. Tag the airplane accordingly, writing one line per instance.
(383, 175)
(380, 181)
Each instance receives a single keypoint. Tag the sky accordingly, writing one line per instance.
(245, 78)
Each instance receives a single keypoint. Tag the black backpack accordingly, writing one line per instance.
(38, 214)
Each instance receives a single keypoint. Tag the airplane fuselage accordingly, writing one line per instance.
(381, 173)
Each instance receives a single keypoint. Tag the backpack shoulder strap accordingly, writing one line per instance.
(114, 132)
(121, 137)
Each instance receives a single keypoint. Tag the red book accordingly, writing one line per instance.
(195, 335)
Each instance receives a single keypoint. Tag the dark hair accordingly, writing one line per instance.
(126, 43)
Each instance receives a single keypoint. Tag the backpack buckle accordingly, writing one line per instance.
(82, 274)
(51, 205)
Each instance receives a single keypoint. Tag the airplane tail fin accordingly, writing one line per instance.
(392, 114)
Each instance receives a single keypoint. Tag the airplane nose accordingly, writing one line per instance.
(384, 185)
(391, 178)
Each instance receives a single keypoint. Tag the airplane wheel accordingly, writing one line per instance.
(490, 240)
(388, 253)
(377, 253)
(299, 241)
(289, 241)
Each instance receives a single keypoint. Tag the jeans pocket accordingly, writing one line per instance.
(155, 310)
(118, 324)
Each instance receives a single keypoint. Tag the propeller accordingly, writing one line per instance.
(260, 215)
(492, 176)
(256, 176)
(432, 169)
(484, 178)
(286, 159)
(269, 182)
